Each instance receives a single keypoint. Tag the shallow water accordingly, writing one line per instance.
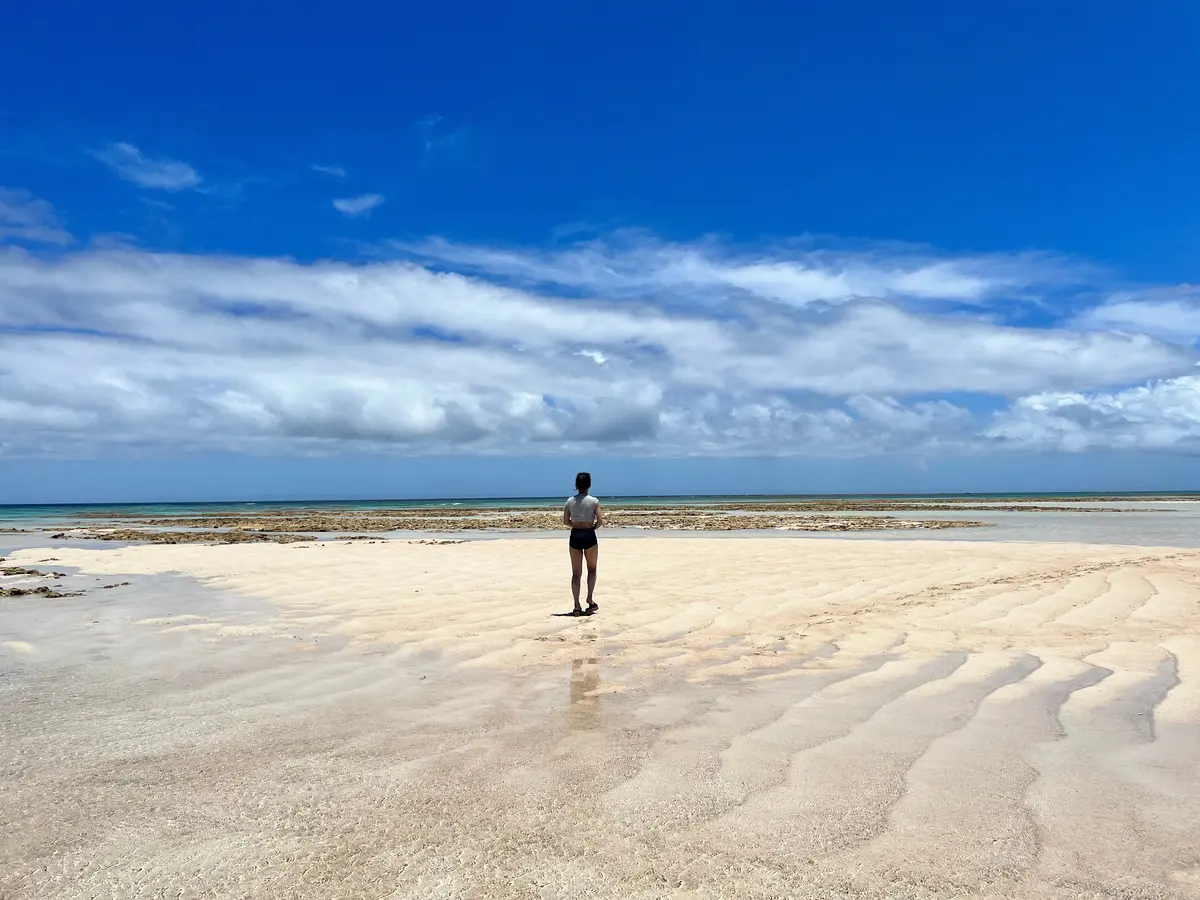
(1161, 524)
(1141, 523)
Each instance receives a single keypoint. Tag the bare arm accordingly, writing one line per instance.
(599, 518)
(566, 515)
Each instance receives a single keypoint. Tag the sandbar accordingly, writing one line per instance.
(763, 717)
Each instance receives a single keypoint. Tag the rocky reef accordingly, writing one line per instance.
(286, 526)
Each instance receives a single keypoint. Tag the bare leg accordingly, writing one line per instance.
(591, 554)
(576, 572)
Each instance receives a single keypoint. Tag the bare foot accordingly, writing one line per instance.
(591, 608)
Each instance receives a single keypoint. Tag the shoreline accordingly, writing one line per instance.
(1087, 521)
(1177, 526)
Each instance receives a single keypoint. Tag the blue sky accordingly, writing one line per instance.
(937, 244)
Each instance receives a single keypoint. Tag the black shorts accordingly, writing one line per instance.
(583, 538)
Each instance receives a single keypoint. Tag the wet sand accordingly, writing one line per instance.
(754, 717)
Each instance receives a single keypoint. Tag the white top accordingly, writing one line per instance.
(582, 508)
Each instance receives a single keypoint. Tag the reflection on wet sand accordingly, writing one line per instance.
(585, 704)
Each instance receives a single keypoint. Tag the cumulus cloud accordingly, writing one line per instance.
(119, 346)
(165, 174)
(358, 206)
(1164, 415)
(24, 217)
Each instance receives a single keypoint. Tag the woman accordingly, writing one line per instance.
(583, 515)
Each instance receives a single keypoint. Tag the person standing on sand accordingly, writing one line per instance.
(583, 515)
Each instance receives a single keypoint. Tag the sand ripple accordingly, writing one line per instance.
(744, 718)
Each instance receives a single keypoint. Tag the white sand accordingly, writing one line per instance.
(744, 718)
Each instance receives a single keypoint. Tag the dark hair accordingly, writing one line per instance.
(583, 481)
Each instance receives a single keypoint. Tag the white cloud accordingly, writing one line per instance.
(24, 217)
(1172, 313)
(358, 206)
(166, 174)
(118, 346)
(1164, 415)
(335, 171)
(634, 265)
